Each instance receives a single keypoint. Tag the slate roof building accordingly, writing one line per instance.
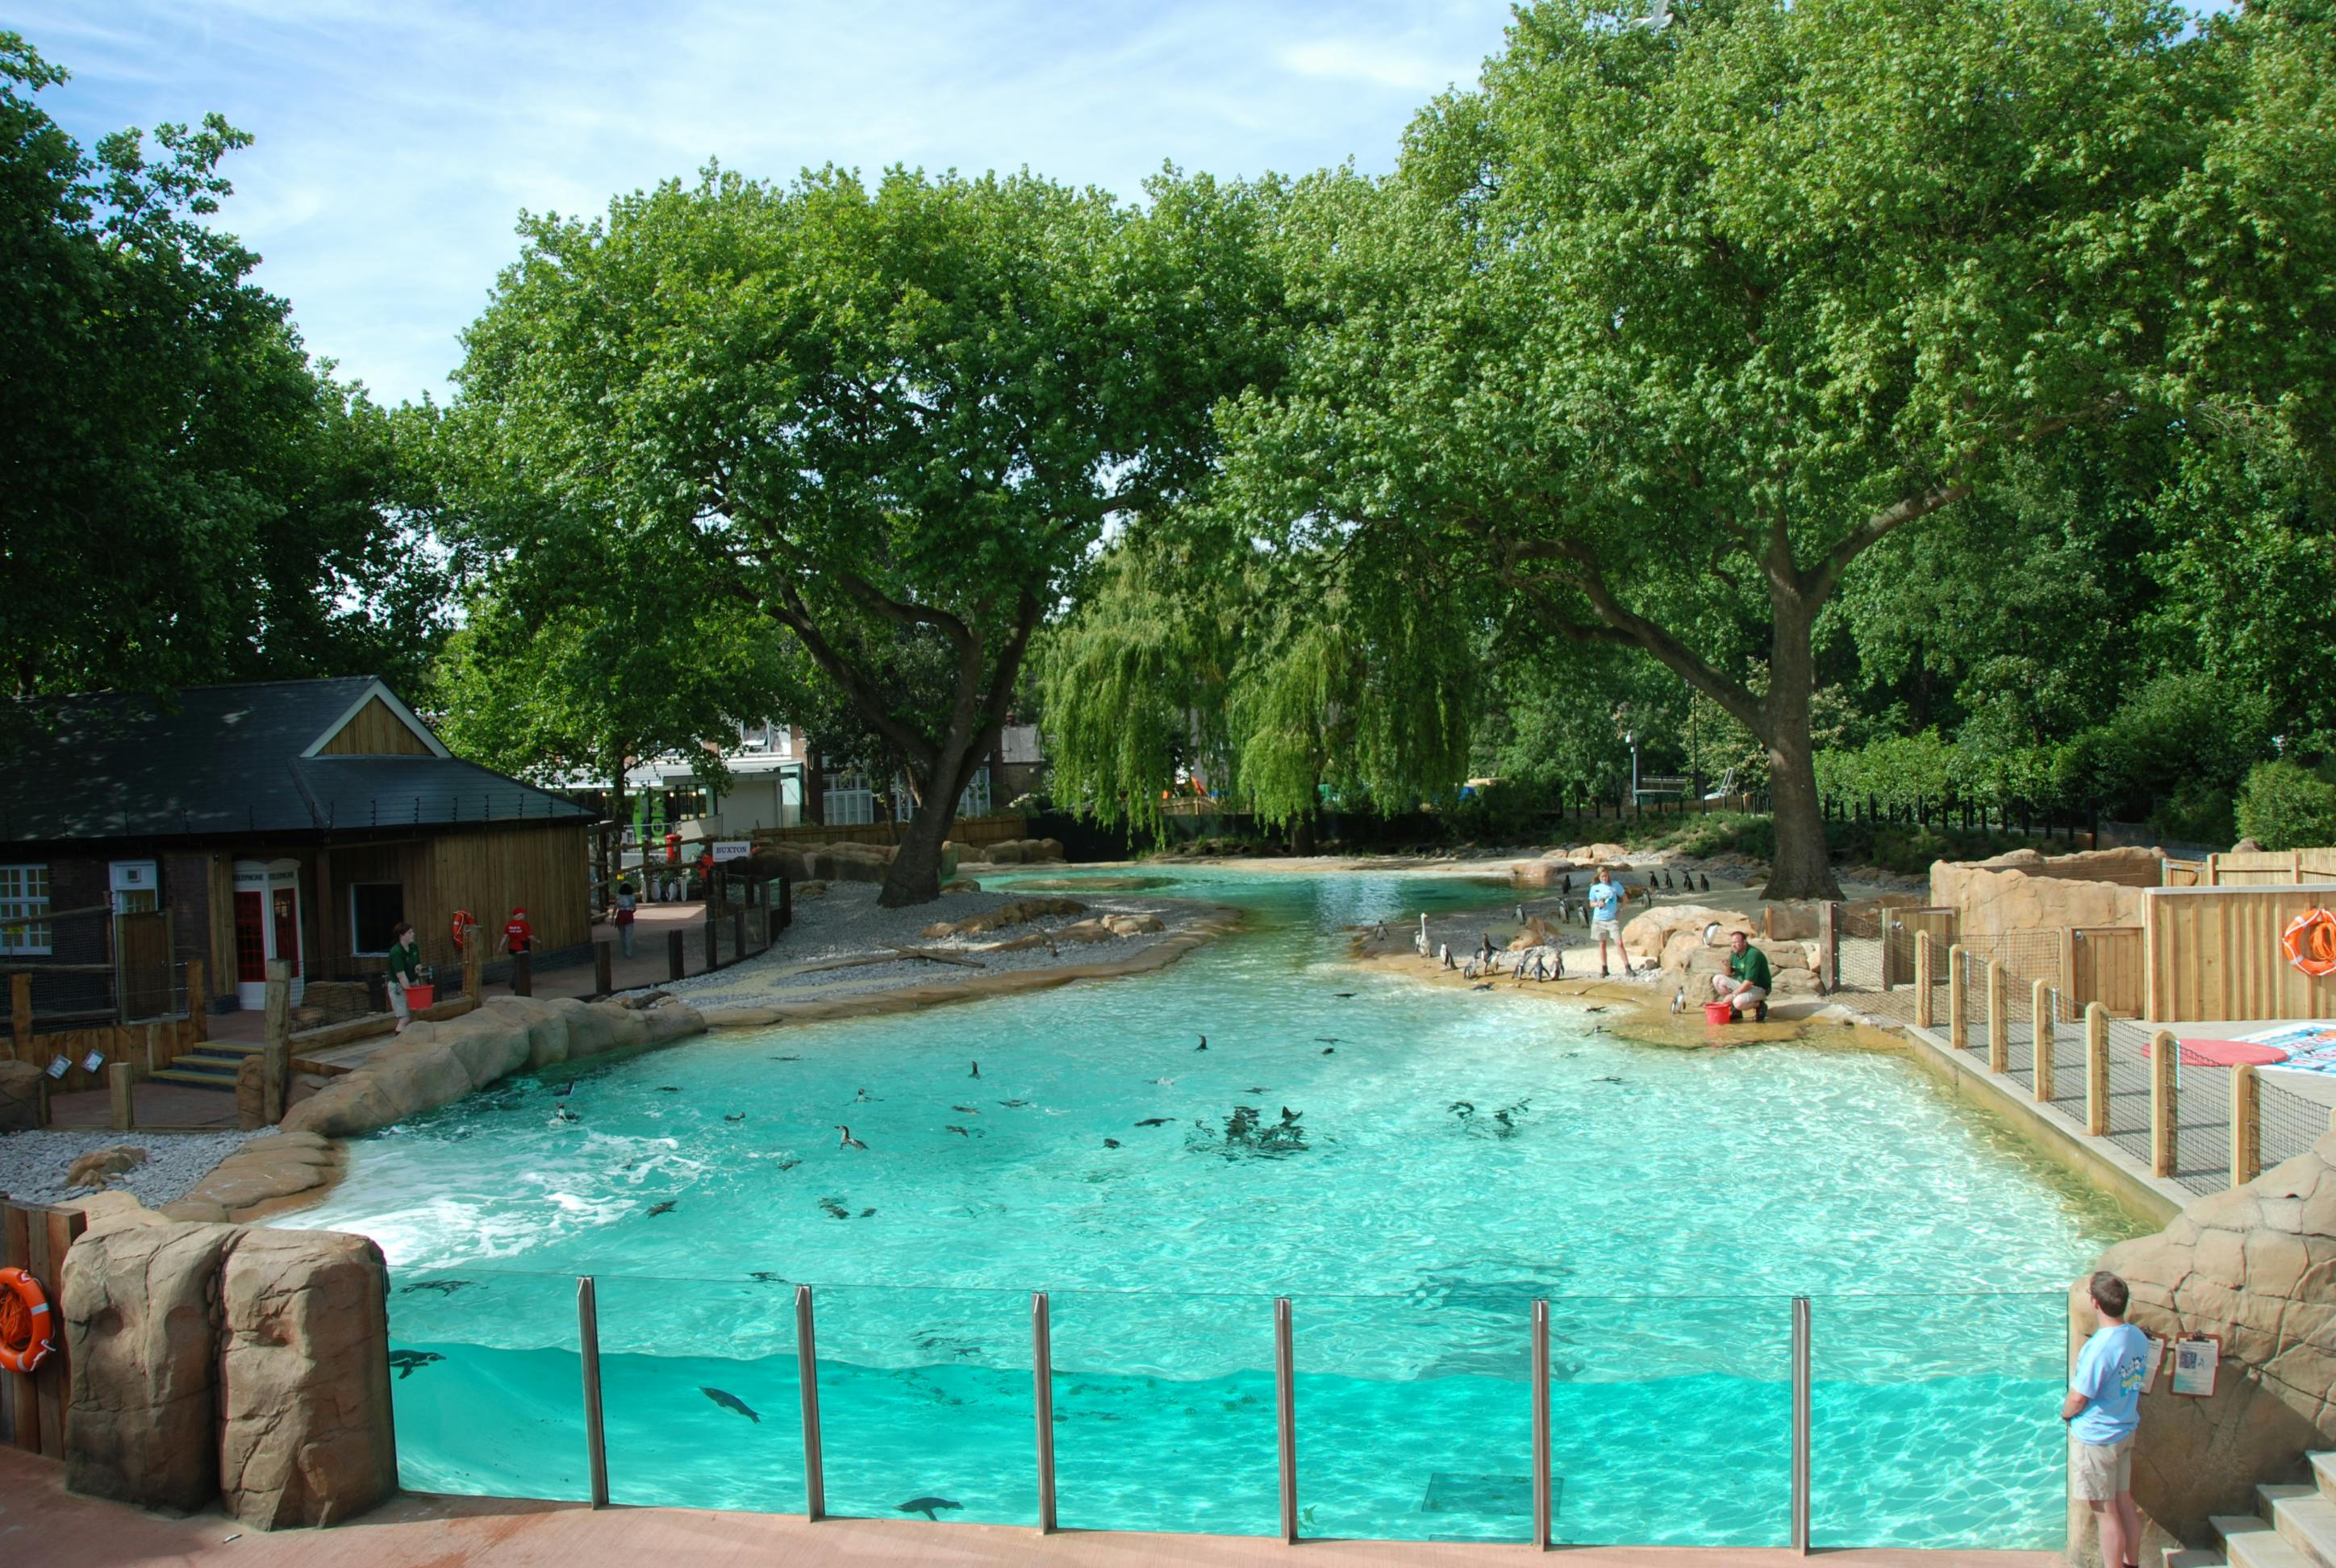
(297, 820)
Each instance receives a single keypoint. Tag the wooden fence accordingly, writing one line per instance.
(2214, 953)
(35, 1237)
(2269, 868)
(2103, 964)
(964, 831)
(146, 1046)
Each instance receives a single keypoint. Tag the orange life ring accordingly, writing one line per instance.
(27, 1327)
(2310, 943)
(463, 926)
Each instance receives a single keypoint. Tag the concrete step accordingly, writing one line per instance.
(2195, 1557)
(238, 1049)
(2305, 1518)
(225, 1083)
(195, 1061)
(2252, 1543)
(2323, 1472)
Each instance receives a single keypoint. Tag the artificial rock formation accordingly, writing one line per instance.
(99, 1166)
(1651, 935)
(304, 1435)
(2023, 891)
(211, 1359)
(1019, 913)
(141, 1310)
(2255, 1266)
(20, 1096)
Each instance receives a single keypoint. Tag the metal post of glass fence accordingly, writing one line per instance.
(807, 1380)
(1285, 1406)
(1801, 1425)
(1541, 1509)
(588, 1339)
(1042, 1380)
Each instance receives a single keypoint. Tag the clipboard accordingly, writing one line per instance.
(2197, 1362)
(2156, 1359)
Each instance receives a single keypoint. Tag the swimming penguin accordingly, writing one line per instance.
(1204, 1045)
(977, 1069)
(845, 1140)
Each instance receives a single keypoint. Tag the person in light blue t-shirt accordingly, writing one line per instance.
(2103, 1407)
(1605, 922)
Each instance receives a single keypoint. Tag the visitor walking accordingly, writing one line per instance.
(625, 902)
(2102, 1409)
(1605, 924)
(518, 937)
(1748, 981)
(405, 970)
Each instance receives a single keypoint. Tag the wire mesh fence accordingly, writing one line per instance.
(1997, 1010)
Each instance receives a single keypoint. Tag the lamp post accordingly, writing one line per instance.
(1631, 739)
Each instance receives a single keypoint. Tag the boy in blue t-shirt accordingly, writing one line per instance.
(2103, 1407)
(1605, 920)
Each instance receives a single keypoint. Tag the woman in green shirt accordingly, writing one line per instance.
(405, 970)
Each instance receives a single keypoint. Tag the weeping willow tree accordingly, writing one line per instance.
(1286, 682)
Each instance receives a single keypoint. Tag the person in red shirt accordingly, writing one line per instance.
(517, 937)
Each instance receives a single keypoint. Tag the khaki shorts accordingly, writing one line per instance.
(2097, 1472)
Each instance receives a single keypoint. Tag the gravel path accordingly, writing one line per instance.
(33, 1165)
(846, 921)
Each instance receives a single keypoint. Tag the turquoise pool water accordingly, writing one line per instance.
(1669, 1203)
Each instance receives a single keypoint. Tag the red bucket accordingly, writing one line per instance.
(1718, 1012)
(418, 996)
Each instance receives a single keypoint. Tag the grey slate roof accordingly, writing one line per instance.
(226, 759)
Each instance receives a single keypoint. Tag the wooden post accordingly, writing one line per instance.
(2164, 1129)
(2096, 1069)
(713, 942)
(20, 1012)
(1999, 1019)
(126, 1111)
(2069, 962)
(2039, 1029)
(474, 967)
(276, 1052)
(198, 1000)
(738, 934)
(1958, 1011)
(1925, 964)
(1829, 946)
(522, 980)
(36, 1238)
(786, 900)
(604, 968)
(156, 1060)
(2246, 1125)
(675, 959)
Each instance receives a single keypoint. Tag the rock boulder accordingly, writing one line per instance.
(141, 1316)
(1648, 936)
(20, 1096)
(2257, 1267)
(303, 1372)
(99, 1166)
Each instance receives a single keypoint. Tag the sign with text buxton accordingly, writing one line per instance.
(731, 850)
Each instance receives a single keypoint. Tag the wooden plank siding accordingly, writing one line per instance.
(120, 1042)
(547, 869)
(2103, 964)
(965, 831)
(2272, 868)
(2214, 953)
(374, 731)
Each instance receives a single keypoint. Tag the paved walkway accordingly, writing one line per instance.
(40, 1523)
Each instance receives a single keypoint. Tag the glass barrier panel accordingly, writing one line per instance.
(1935, 1420)
(486, 1384)
(925, 1404)
(1671, 1420)
(698, 1396)
(1414, 1414)
(1164, 1412)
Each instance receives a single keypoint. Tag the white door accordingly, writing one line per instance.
(136, 886)
(266, 926)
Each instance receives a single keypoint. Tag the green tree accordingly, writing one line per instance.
(1664, 329)
(851, 412)
(183, 497)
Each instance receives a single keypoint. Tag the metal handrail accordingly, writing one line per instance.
(596, 1436)
(807, 1380)
(1042, 1400)
(1285, 1404)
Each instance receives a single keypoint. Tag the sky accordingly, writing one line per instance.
(397, 140)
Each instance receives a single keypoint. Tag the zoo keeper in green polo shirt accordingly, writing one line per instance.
(1746, 983)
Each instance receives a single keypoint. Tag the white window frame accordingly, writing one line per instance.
(18, 900)
(848, 802)
(356, 951)
(973, 801)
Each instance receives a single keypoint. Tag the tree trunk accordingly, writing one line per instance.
(1801, 866)
(915, 874)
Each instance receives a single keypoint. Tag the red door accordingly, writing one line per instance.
(250, 939)
(288, 925)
